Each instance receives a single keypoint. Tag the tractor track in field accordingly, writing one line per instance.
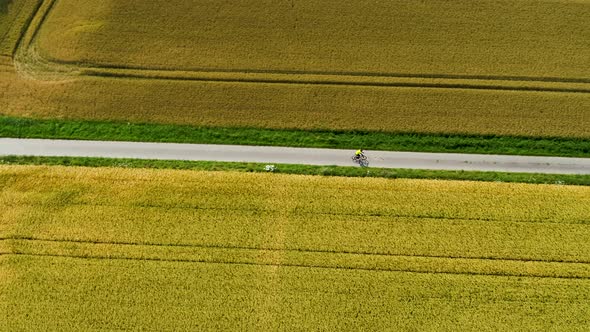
(306, 266)
(294, 250)
(31, 64)
(257, 258)
(356, 216)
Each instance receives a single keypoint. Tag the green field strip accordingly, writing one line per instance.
(300, 259)
(21, 127)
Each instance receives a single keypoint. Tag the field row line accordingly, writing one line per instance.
(298, 211)
(294, 265)
(284, 250)
(257, 76)
(98, 66)
(252, 76)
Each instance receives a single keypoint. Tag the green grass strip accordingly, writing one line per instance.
(302, 169)
(117, 131)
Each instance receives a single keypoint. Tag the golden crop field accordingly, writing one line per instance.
(112, 248)
(463, 38)
(485, 67)
(14, 16)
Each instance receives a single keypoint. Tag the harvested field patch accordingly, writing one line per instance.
(258, 251)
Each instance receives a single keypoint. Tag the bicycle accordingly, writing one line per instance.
(361, 159)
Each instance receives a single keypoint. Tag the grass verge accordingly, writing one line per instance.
(123, 131)
(564, 179)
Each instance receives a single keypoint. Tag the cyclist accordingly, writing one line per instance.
(358, 154)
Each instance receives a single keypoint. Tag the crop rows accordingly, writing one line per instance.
(55, 293)
(259, 249)
(303, 258)
(493, 39)
(459, 219)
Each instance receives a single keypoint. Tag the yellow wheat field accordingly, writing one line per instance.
(168, 249)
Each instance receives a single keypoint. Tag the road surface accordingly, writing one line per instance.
(307, 156)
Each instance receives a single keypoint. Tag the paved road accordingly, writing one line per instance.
(266, 154)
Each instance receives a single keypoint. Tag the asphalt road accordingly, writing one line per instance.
(308, 156)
